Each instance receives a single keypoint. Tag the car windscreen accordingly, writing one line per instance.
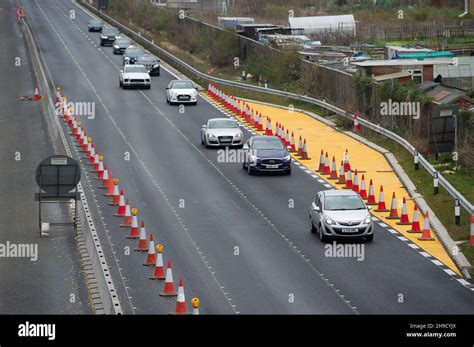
(268, 145)
(146, 59)
(182, 85)
(223, 124)
(133, 51)
(122, 42)
(110, 32)
(343, 203)
(134, 68)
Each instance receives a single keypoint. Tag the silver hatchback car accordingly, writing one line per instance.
(340, 214)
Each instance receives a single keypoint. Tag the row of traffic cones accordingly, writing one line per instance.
(351, 182)
(260, 123)
(129, 215)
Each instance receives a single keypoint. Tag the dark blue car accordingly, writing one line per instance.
(266, 153)
(131, 53)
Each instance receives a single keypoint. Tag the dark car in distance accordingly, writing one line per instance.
(108, 36)
(131, 53)
(266, 154)
(94, 25)
(151, 63)
(120, 45)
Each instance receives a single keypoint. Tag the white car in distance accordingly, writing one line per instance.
(221, 132)
(181, 92)
(134, 76)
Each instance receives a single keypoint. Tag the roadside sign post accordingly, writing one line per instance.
(57, 177)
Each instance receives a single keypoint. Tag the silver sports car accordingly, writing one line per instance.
(221, 132)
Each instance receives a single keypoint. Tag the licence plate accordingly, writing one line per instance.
(272, 166)
(350, 230)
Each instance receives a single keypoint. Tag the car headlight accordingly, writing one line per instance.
(253, 158)
(103, 37)
(329, 221)
(287, 158)
(238, 135)
(156, 66)
(367, 219)
(116, 47)
(211, 136)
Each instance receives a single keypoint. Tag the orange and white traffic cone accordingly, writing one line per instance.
(305, 155)
(277, 129)
(121, 205)
(371, 198)
(321, 162)
(105, 178)
(393, 209)
(94, 160)
(159, 273)
(381, 205)
(404, 216)
(342, 174)
(260, 124)
(348, 180)
(89, 148)
(134, 232)
(363, 191)
(326, 168)
(37, 95)
(355, 182)
(97, 164)
(333, 175)
(426, 233)
(115, 193)
(85, 144)
(287, 139)
(282, 134)
(142, 244)
(195, 303)
(100, 169)
(292, 143)
(168, 289)
(347, 164)
(269, 128)
(415, 224)
(127, 221)
(356, 124)
(151, 257)
(181, 300)
(110, 186)
(300, 147)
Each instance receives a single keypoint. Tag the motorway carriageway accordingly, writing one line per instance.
(225, 210)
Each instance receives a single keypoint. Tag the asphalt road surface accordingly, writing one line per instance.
(48, 280)
(235, 239)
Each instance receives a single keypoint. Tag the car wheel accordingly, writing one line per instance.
(120, 83)
(311, 225)
(148, 87)
(369, 238)
(322, 237)
(249, 170)
(288, 172)
(194, 103)
(102, 44)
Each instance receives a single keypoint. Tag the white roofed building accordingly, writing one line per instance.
(344, 24)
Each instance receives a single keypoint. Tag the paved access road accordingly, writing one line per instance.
(53, 283)
(237, 240)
